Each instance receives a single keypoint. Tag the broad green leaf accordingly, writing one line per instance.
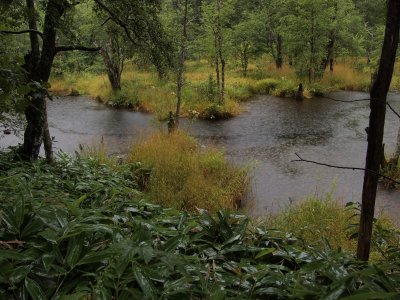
(144, 283)
(265, 252)
(74, 250)
(34, 289)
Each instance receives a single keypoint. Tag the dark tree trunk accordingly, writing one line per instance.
(38, 66)
(113, 59)
(217, 71)
(329, 56)
(244, 59)
(378, 93)
(220, 53)
(181, 66)
(279, 55)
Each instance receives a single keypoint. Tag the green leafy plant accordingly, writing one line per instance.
(79, 229)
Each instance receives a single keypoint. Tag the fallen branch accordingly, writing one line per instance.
(344, 168)
(10, 244)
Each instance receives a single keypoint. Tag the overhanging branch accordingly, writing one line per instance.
(22, 32)
(77, 48)
(343, 168)
(361, 100)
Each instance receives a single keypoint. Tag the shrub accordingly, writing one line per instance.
(318, 90)
(287, 88)
(215, 112)
(265, 86)
(125, 98)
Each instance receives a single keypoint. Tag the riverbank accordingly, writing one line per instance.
(81, 228)
(143, 91)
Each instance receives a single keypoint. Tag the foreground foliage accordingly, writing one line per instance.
(79, 230)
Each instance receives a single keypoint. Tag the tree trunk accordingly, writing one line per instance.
(217, 72)
(329, 56)
(378, 93)
(181, 66)
(279, 55)
(220, 52)
(38, 66)
(244, 59)
(113, 59)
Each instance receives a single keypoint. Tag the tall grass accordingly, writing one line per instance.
(185, 176)
(321, 220)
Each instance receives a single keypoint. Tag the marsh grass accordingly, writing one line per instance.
(143, 91)
(185, 176)
(321, 220)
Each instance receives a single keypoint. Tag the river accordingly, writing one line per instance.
(266, 136)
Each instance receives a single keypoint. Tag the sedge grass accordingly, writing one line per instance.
(142, 90)
(184, 176)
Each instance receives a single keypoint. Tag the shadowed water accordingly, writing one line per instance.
(267, 136)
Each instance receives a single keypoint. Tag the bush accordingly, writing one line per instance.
(265, 86)
(125, 98)
(185, 177)
(287, 88)
(215, 112)
(318, 90)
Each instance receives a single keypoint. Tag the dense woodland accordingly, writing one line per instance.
(95, 227)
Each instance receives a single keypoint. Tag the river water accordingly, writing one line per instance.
(266, 136)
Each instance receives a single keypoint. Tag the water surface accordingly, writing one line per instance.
(267, 136)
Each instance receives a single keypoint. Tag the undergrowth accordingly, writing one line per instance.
(79, 229)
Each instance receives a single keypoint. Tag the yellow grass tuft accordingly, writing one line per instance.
(185, 176)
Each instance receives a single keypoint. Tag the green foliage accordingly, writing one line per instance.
(78, 229)
(125, 98)
(215, 112)
(287, 88)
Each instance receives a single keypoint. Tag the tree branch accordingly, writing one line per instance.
(117, 20)
(22, 32)
(346, 101)
(393, 110)
(360, 100)
(343, 168)
(77, 48)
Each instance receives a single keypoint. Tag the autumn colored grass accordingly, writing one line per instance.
(319, 220)
(142, 90)
(184, 176)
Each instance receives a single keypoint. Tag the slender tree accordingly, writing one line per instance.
(378, 95)
(182, 57)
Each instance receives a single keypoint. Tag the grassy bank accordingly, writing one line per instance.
(81, 229)
(142, 90)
